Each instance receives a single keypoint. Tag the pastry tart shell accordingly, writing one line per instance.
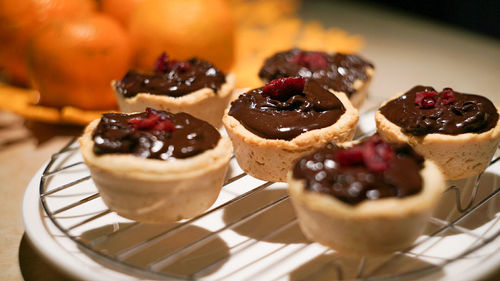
(372, 227)
(157, 191)
(458, 156)
(270, 159)
(203, 104)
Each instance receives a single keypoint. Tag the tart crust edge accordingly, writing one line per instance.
(371, 227)
(458, 156)
(204, 103)
(157, 191)
(270, 159)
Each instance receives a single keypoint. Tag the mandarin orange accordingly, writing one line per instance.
(183, 29)
(72, 62)
(20, 19)
(119, 9)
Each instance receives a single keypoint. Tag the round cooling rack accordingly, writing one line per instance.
(250, 233)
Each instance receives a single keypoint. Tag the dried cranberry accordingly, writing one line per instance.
(447, 96)
(425, 99)
(317, 61)
(374, 154)
(164, 125)
(377, 155)
(428, 102)
(298, 58)
(160, 65)
(144, 123)
(283, 88)
(153, 121)
(311, 60)
(350, 156)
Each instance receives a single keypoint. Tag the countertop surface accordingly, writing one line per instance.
(406, 51)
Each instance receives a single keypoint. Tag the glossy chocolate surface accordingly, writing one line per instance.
(466, 114)
(338, 73)
(174, 82)
(188, 136)
(355, 183)
(314, 108)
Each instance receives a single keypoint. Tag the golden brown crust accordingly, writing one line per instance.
(270, 159)
(458, 156)
(372, 226)
(203, 104)
(153, 190)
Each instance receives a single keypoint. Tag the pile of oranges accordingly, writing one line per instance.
(71, 50)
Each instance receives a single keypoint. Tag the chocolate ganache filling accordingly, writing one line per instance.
(172, 78)
(422, 110)
(154, 134)
(370, 170)
(331, 71)
(286, 108)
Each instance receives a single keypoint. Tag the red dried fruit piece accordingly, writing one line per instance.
(164, 125)
(316, 61)
(311, 60)
(284, 88)
(151, 111)
(425, 99)
(161, 62)
(428, 103)
(153, 121)
(377, 156)
(447, 95)
(298, 58)
(350, 156)
(144, 123)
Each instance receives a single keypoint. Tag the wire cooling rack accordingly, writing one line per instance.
(251, 232)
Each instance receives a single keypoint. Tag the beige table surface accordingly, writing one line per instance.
(406, 51)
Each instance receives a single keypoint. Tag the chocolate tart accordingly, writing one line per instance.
(360, 223)
(194, 86)
(275, 132)
(459, 135)
(347, 73)
(152, 190)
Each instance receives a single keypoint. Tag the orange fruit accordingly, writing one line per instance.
(73, 61)
(119, 9)
(183, 29)
(20, 19)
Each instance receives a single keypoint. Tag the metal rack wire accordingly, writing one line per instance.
(158, 267)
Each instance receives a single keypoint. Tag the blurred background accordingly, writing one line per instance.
(477, 16)
(69, 51)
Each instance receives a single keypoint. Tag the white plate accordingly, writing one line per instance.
(268, 246)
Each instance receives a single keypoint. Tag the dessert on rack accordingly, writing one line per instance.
(156, 166)
(347, 73)
(459, 132)
(365, 198)
(272, 126)
(194, 86)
